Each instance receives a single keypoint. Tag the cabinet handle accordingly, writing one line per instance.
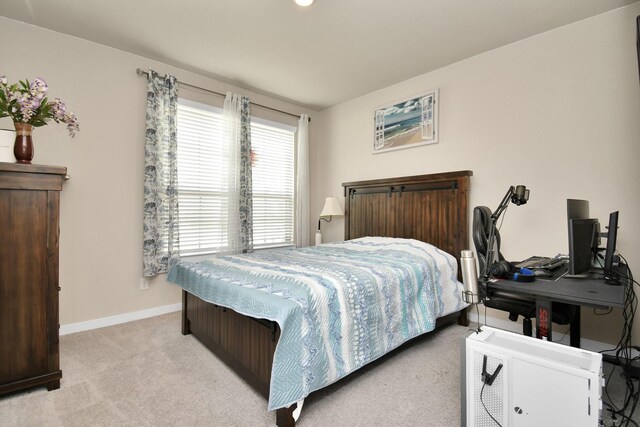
(59, 288)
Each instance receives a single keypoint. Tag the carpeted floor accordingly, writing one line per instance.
(145, 373)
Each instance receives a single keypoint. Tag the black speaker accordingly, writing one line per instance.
(506, 270)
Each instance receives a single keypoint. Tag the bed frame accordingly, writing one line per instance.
(432, 208)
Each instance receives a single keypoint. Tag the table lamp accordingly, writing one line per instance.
(331, 208)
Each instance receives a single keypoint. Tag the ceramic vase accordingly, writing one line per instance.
(23, 147)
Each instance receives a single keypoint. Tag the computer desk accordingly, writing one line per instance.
(589, 292)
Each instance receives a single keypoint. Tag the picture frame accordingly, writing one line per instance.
(7, 140)
(408, 123)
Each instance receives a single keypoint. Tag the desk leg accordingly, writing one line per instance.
(575, 328)
(543, 318)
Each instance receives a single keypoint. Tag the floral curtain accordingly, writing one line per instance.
(161, 237)
(302, 183)
(237, 134)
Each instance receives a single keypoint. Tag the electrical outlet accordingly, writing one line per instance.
(144, 283)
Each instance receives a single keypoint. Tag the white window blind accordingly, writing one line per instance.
(273, 184)
(203, 179)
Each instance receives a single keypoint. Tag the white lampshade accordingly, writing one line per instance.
(331, 208)
(304, 2)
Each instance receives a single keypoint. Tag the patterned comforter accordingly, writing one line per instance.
(339, 305)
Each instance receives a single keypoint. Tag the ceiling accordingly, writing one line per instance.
(317, 57)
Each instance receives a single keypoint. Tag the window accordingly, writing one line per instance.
(273, 184)
(202, 181)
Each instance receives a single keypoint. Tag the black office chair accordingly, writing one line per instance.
(562, 314)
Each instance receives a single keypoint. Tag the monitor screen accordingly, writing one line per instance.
(612, 235)
(577, 209)
(582, 244)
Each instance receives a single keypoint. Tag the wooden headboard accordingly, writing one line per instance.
(431, 208)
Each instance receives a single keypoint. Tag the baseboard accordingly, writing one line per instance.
(507, 325)
(118, 319)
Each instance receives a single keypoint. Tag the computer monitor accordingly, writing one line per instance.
(582, 244)
(577, 209)
(610, 275)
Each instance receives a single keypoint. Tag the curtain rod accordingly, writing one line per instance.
(140, 72)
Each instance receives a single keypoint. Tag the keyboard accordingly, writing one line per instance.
(542, 263)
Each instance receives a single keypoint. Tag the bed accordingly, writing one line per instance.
(269, 337)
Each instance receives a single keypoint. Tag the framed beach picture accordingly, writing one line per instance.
(407, 123)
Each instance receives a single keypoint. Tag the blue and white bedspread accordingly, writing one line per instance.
(339, 305)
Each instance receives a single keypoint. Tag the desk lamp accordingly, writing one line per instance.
(517, 195)
(331, 208)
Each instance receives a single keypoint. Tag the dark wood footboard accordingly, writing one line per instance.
(245, 344)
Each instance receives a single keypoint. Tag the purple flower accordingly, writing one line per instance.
(71, 121)
(16, 94)
(39, 88)
(58, 109)
(23, 102)
(27, 107)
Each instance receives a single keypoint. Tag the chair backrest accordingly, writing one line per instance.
(481, 230)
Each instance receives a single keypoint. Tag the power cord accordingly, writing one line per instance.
(485, 408)
(624, 357)
(595, 311)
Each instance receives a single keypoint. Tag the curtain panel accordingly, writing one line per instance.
(237, 133)
(302, 183)
(160, 228)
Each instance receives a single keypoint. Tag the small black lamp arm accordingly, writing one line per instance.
(518, 195)
(328, 220)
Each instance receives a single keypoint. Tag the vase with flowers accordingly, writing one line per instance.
(26, 103)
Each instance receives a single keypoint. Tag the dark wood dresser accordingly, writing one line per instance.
(29, 230)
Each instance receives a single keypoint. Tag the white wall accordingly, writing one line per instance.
(101, 213)
(558, 112)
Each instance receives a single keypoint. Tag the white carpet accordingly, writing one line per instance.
(146, 373)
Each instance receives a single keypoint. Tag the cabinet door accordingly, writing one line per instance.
(24, 283)
(549, 395)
